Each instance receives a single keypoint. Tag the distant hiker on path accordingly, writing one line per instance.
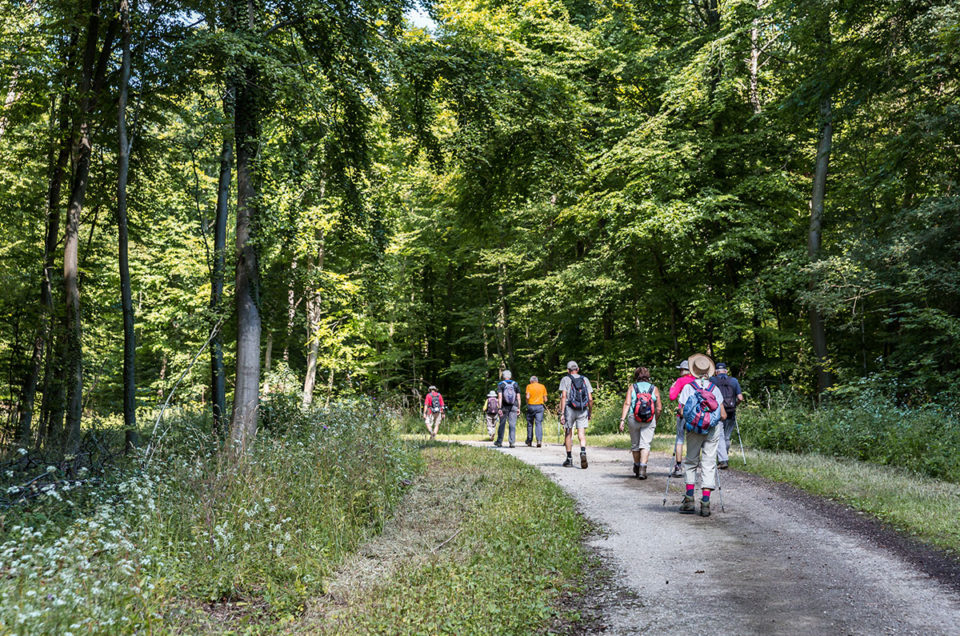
(732, 396)
(702, 411)
(491, 410)
(576, 409)
(681, 382)
(640, 409)
(433, 411)
(508, 396)
(536, 398)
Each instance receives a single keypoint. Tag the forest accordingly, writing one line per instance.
(204, 204)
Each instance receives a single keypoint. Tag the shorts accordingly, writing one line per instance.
(575, 418)
(641, 434)
(681, 430)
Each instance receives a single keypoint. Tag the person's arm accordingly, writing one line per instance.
(626, 408)
(425, 403)
(589, 400)
(443, 408)
(656, 395)
(739, 392)
(519, 399)
(563, 406)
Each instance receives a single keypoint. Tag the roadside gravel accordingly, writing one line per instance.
(773, 563)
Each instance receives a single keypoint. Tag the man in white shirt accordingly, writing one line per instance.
(576, 409)
(701, 447)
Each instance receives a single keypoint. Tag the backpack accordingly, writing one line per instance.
(509, 393)
(492, 406)
(729, 393)
(578, 397)
(435, 402)
(698, 409)
(643, 406)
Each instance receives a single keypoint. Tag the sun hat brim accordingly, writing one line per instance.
(700, 361)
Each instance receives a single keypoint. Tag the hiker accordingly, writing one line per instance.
(702, 413)
(433, 411)
(576, 409)
(674, 393)
(732, 396)
(508, 398)
(491, 410)
(641, 408)
(536, 399)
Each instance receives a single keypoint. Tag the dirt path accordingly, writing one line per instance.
(770, 564)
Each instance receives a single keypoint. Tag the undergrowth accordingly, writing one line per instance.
(193, 524)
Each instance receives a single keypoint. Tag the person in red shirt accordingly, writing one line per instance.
(684, 379)
(433, 411)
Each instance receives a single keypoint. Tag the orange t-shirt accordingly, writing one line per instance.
(536, 393)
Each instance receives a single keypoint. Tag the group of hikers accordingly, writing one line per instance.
(707, 397)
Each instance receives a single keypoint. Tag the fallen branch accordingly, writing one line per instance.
(151, 447)
(452, 537)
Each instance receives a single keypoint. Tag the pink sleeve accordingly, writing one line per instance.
(441, 399)
(677, 387)
(426, 401)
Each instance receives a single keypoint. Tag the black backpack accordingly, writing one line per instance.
(578, 397)
(729, 392)
(435, 402)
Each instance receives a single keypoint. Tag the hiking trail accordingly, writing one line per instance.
(774, 563)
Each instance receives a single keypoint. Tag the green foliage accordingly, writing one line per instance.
(866, 423)
(194, 525)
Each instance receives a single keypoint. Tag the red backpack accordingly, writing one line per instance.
(644, 407)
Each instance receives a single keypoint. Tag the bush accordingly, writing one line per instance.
(861, 422)
(268, 527)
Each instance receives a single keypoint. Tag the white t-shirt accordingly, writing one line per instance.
(565, 383)
(704, 383)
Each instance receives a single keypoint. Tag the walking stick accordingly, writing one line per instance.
(742, 454)
(719, 489)
(667, 490)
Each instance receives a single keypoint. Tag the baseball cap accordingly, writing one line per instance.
(572, 365)
(684, 365)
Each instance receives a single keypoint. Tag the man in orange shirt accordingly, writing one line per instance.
(536, 396)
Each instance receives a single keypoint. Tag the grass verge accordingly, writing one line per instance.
(482, 544)
(925, 508)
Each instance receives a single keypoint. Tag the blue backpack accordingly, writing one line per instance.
(699, 408)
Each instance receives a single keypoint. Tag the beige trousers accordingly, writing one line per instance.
(702, 452)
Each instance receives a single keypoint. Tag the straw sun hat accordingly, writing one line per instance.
(701, 365)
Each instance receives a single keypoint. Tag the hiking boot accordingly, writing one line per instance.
(568, 463)
(723, 465)
(687, 507)
(704, 508)
(529, 442)
(498, 444)
(676, 471)
(512, 446)
(583, 460)
(538, 444)
(643, 473)
(636, 471)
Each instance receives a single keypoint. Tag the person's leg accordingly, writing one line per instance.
(646, 440)
(568, 439)
(428, 420)
(678, 447)
(530, 417)
(538, 422)
(634, 428)
(729, 426)
(512, 419)
(690, 463)
(503, 421)
(708, 467)
(491, 425)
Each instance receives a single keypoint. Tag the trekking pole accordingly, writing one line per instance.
(719, 488)
(742, 454)
(667, 490)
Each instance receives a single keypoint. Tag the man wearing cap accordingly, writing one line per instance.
(701, 447)
(536, 396)
(433, 411)
(684, 379)
(732, 396)
(576, 406)
(508, 396)
(491, 409)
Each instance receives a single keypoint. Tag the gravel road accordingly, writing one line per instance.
(770, 564)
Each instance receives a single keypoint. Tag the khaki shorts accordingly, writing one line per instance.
(641, 434)
(575, 418)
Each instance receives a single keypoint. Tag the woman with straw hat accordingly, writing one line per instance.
(701, 416)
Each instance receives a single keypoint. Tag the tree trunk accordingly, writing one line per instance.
(313, 329)
(291, 310)
(246, 395)
(824, 378)
(755, 58)
(12, 95)
(91, 82)
(126, 294)
(218, 382)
